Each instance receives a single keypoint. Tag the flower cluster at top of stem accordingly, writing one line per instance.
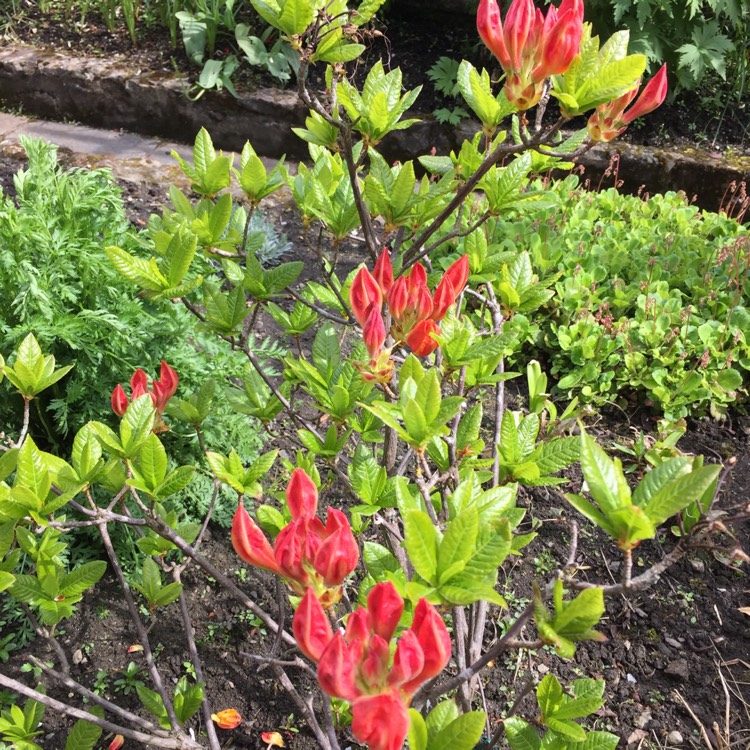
(531, 47)
(161, 391)
(610, 120)
(414, 310)
(356, 664)
(306, 554)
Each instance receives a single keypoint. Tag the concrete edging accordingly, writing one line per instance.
(103, 93)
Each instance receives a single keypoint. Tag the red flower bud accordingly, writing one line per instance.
(117, 742)
(311, 627)
(420, 339)
(364, 293)
(119, 401)
(301, 495)
(398, 298)
(385, 606)
(383, 271)
(290, 550)
(408, 661)
(336, 669)
(435, 641)
(374, 667)
(164, 388)
(250, 543)
(651, 97)
(381, 721)
(138, 384)
(337, 555)
(358, 626)
(373, 333)
(490, 28)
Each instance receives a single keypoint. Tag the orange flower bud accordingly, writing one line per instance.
(250, 543)
(420, 339)
(229, 718)
(652, 96)
(381, 721)
(301, 495)
(364, 293)
(385, 606)
(338, 554)
(117, 742)
(119, 401)
(336, 669)
(373, 333)
(165, 387)
(383, 271)
(311, 627)
(435, 641)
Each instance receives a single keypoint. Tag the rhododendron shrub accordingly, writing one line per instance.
(384, 519)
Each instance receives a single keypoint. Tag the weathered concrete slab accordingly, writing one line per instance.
(107, 94)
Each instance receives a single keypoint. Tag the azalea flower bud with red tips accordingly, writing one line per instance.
(364, 293)
(164, 388)
(385, 606)
(380, 721)
(383, 271)
(301, 495)
(358, 626)
(337, 555)
(435, 641)
(138, 384)
(611, 119)
(374, 666)
(250, 542)
(408, 661)
(420, 339)
(311, 627)
(119, 401)
(117, 742)
(289, 549)
(373, 333)
(336, 669)
(652, 96)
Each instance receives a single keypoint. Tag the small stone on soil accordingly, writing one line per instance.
(674, 738)
(678, 668)
(698, 566)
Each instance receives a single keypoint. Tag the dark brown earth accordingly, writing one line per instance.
(682, 646)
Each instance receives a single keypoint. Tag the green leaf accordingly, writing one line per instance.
(83, 736)
(152, 461)
(168, 594)
(521, 735)
(441, 716)
(421, 542)
(602, 475)
(417, 731)
(137, 423)
(152, 702)
(458, 542)
(461, 734)
(82, 577)
(679, 493)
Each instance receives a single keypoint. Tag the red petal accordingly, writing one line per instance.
(301, 495)
(250, 543)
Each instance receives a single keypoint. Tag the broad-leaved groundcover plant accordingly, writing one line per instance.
(387, 425)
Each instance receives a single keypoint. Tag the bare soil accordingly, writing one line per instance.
(676, 662)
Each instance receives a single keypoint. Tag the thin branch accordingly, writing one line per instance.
(187, 624)
(142, 632)
(312, 721)
(182, 742)
(48, 636)
(71, 684)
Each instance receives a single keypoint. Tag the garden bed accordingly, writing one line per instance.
(675, 657)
